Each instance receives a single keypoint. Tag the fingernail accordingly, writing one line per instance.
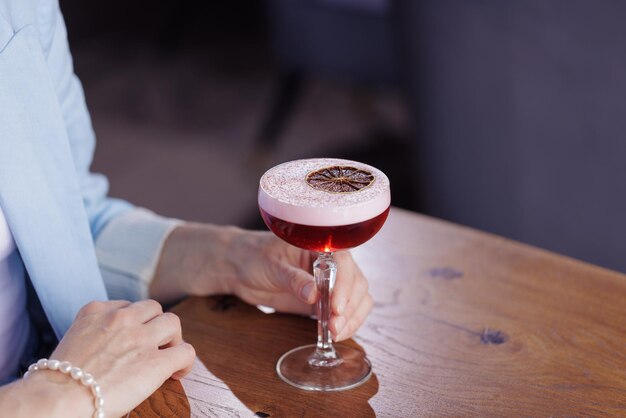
(341, 306)
(307, 291)
(340, 322)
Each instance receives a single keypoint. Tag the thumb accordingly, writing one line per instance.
(298, 282)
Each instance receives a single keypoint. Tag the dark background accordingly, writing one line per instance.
(499, 114)
(180, 94)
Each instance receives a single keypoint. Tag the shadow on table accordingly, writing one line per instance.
(240, 345)
(170, 401)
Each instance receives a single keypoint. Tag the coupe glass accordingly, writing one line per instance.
(324, 205)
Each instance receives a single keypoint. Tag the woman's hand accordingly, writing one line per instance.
(277, 274)
(260, 269)
(129, 348)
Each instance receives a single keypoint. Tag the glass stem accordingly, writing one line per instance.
(325, 271)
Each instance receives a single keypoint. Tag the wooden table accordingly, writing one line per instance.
(465, 324)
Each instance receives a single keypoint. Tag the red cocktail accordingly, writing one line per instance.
(324, 205)
(325, 238)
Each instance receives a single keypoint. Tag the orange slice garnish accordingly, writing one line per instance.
(340, 179)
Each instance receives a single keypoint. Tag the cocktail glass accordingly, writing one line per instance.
(324, 205)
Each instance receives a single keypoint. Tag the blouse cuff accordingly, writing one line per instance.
(128, 251)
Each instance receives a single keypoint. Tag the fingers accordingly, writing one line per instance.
(97, 307)
(165, 330)
(354, 322)
(350, 287)
(145, 310)
(179, 358)
(351, 302)
(299, 283)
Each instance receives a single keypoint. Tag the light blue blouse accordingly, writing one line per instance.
(14, 321)
(76, 243)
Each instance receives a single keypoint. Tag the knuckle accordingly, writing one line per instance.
(292, 278)
(189, 351)
(362, 286)
(89, 309)
(172, 319)
(153, 305)
(351, 327)
(341, 255)
(118, 318)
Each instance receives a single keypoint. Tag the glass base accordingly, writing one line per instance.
(351, 370)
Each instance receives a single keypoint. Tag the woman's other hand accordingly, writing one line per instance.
(129, 348)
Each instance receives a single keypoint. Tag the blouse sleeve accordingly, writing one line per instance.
(128, 239)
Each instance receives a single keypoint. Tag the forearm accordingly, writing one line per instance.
(195, 260)
(46, 394)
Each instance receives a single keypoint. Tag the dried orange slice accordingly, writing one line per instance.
(340, 179)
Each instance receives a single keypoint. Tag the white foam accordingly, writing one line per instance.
(285, 194)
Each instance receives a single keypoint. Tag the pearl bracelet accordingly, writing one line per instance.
(75, 373)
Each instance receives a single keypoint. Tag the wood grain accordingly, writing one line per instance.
(465, 324)
(169, 401)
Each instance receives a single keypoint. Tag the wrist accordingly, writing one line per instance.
(57, 395)
(195, 261)
(245, 246)
(226, 265)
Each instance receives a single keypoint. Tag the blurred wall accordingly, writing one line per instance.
(520, 114)
(179, 92)
(517, 106)
(158, 18)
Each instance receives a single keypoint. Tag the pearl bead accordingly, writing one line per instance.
(87, 379)
(65, 367)
(76, 373)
